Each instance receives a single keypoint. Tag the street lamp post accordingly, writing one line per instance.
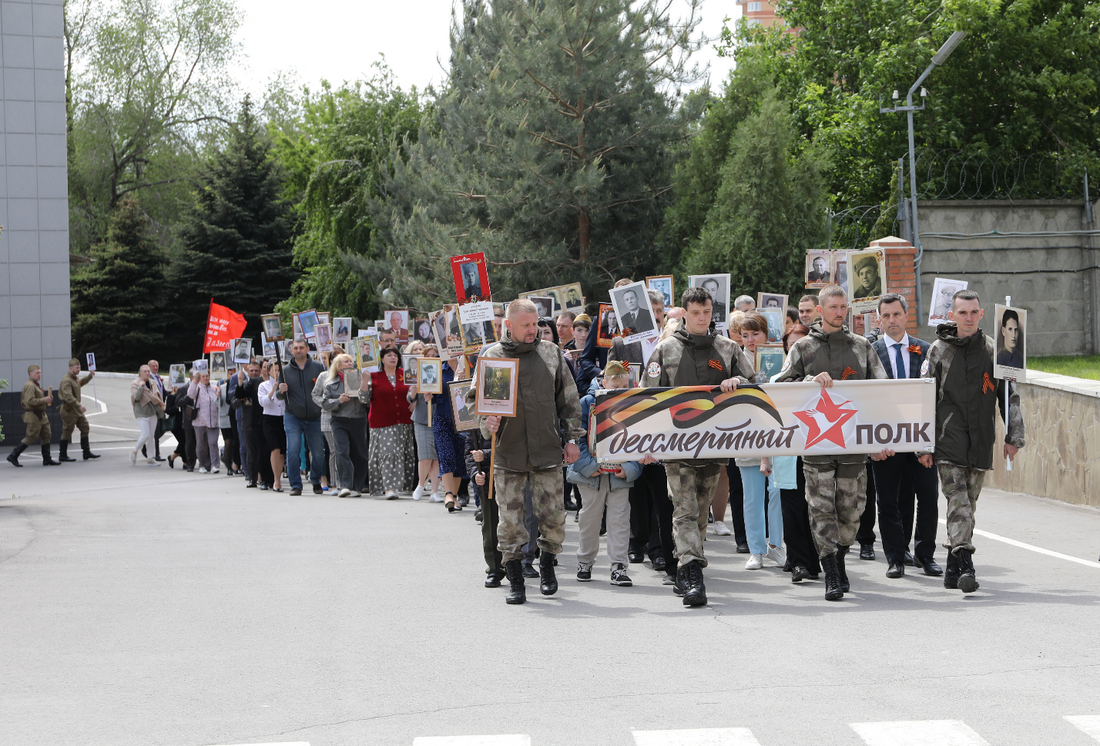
(940, 57)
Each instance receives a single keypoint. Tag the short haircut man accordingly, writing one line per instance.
(744, 303)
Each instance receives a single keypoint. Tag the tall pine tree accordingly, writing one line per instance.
(237, 237)
(118, 299)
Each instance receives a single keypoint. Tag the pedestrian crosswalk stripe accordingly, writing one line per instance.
(1090, 724)
(285, 743)
(696, 737)
(515, 740)
(919, 733)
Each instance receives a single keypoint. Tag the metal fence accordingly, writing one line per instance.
(955, 174)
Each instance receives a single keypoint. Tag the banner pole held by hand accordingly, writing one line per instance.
(492, 461)
(1008, 385)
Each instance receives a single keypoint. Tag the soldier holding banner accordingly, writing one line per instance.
(695, 355)
(836, 486)
(72, 412)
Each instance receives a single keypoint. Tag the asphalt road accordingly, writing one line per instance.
(143, 605)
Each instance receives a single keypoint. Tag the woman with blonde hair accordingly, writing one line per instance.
(348, 417)
(148, 408)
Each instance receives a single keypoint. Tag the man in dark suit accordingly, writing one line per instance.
(635, 319)
(902, 356)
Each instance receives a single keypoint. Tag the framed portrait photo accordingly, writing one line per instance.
(819, 268)
(269, 346)
(840, 271)
(544, 304)
(607, 326)
(429, 375)
(284, 351)
(943, 292)
(397, 321)
(555, 294)
(177, 375)
(242, 350)
(324, 317)
(273, 326)
(772, 300)
(571, 297)
(341, 329)
(296, 327)
(409, 365)
(200, 366)
(368, 354)
(634, 312)
(477, 335)
(719, 288)
(323, 334)
(307, 320)
(777, 323)
(422, 331)
(769, 360)
(663, 285)
(453, 346)
(497, 381)
(471, 276)
(867, 278)
(1009, 331)
(463, 412)
(217, 364)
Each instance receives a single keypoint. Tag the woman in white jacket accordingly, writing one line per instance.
(206, 399)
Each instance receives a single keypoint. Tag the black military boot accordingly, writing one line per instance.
(86, 446)
(696, 592)
(833, 591)
(514, 571)
(680, 587)
(968, 581)
(549, 584)
(63, 451)
(47, 459)
(951, 576)
(13, 457)
(842, 574)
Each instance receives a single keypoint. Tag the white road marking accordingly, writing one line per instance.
(108, 427)
(1031, 547)
(696, 737)
(1090, 724)
(288, 743)
(919, 733)
(516, 740)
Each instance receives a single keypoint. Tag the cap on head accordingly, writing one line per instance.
(73, 362)
(33, 368)
(615, 368)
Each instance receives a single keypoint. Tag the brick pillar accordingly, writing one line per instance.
(900, 275)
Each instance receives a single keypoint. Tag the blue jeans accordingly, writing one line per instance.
(315, 442)
(758, 534)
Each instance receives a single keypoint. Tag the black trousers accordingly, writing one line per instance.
(866, 532)
(897, 480)
(260, 456)
(250, 446)
(189, 459)
(651, 533)
(801, 549)
(736, 506)
(490, 518)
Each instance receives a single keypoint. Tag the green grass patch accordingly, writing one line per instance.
(1078, 366)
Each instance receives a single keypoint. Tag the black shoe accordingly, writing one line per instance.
(477, 516)
(295, 492)
(743, 547)
(968, 580)
(680, 587)
(570, 505)
(909, 559)
(799, 573)
(47, 459)
(696, 592)
(13, 457)
(929, 566)
(86, 447)
(529, 570)
(317, 490)
(659, 563)
(833, 591)
(787, 565)
(251, 484)
(584, 572)
(841, 553)
(951, 577)
(158, 458)
(517, 594)
(492, 580)
(190, 469)
(549, 584)
(895, 570)
(264, 487)
(619, 576)
(635, 556)
(866, 551)
(63, 451)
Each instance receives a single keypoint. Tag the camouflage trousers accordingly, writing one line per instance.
(692, 490)
(509, 488)
(961, 486)
(70, 422)
(836, 494)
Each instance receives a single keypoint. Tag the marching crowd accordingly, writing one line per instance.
(351, 434)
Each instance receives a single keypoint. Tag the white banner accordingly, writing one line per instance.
(775, 419)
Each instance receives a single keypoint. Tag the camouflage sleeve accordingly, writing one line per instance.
(1014, 430)
(658, 358)
(793, 369)
(743, 367)
(874, 365)
(568, 404)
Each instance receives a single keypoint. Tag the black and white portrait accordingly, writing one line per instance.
(819, 268)
(1008, 339)
(545, 306)
(719, 288)
(634, 312)
(422, 331)
(242, 350)
(943, 290)
(663, 285)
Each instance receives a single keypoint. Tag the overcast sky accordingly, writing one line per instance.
(340, 39)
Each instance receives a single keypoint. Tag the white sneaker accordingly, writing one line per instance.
(355, 493)
(133, 458)
(203, 470)
(418, 492)
(719, 529)
(215, 470)
(755, 562)
(344, 493)
(153, 462)
(777, 555)
(436, 498)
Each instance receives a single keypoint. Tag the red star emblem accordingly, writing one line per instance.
(827, 421)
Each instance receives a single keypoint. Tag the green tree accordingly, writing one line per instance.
(769, 207)
(118, 299)
(551, 149)
(236, 237)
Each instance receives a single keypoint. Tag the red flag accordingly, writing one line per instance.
(222, 325)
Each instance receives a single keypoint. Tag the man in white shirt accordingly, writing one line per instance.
(897, 477)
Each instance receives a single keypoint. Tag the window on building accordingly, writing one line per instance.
(754, 7)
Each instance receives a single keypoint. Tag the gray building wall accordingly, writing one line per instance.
(34, 247)
(1042, 254)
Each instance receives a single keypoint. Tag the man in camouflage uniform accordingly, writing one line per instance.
(72, 412)
(836, 486)
(961, 362)
(34, 401)
(695, 355)
(528, 446)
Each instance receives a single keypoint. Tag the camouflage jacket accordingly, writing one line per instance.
(547, 407)
(843, 355)
(966, 399)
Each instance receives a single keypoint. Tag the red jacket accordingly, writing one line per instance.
(388, 403)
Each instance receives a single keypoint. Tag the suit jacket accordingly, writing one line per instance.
(882, 347)
(636, 322)
(627, 353)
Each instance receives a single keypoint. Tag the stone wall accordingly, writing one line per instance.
(1062, 426)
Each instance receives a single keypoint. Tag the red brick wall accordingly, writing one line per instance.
(900, 276)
